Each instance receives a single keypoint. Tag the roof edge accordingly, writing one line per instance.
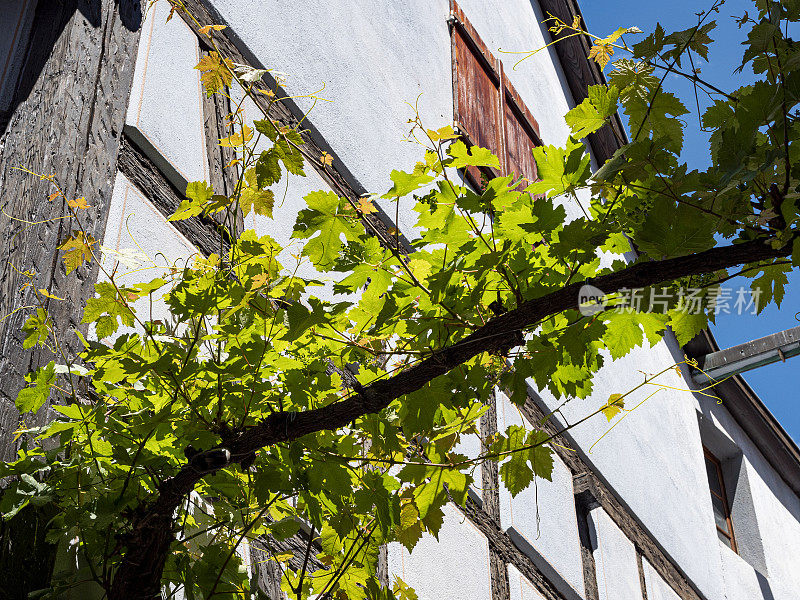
(752, 415)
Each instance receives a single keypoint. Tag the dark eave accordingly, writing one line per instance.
(580, 73)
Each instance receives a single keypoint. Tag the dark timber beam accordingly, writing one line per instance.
(507, 552)
(591, 491)
(205, 233)
(287, 114)
(580, 73)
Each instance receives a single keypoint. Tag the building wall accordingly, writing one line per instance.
(375, 60)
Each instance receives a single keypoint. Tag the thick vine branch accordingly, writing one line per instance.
(139, 573)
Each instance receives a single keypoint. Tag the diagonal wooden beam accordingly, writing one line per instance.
(287, 114)
(591, 491)
(205, 233)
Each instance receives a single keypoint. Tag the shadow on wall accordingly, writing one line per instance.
(766, 591)
(50, 20)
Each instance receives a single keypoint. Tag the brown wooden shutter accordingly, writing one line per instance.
(476, 90)
(488, 110)
(521, 136)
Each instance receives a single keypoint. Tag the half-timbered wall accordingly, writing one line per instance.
(628, 516)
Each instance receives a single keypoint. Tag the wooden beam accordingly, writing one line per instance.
(287, 114)
(490, 496)
(583, 505)
(507, 551)
(580, 73)
(205, 233)
(222, 176)
(642, 580)
(68, 110)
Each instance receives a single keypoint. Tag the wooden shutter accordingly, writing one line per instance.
(476, 90)
(488, 110)
(521, 136)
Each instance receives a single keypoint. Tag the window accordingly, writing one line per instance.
(488, 111)
(719, 500)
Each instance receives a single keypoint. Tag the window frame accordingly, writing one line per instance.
(717, 464)
(507, 97)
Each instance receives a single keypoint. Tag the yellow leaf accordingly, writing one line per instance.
(206, 29)
(614, 36)
(613, 407)
(217, 72)
(601, 53)
(44, 292)
(443, 133)
(253, 198)
(77, 250)
(260, 280)
(420, 268)
(326, 159)
(53, 196)
(366, 206)
(237, 139)
(173, 9)
(78, 203)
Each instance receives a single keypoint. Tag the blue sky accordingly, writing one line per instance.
(776, 384)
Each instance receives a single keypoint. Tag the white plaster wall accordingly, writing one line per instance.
(544, 513)
(454, 567)
(16, 17)
(519, 587)
(137, 231)
(653, 458)
(776, 519)
(657, 588)
(614, 559)
(166, 103)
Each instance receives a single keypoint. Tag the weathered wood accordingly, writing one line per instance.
(498, 572)
(203, 232)
(583, 504)
(490, 480)
(581, 73)
(266, 573)
(490, 497)
(642, 580)
(591, 489)
(216, 110)
(69, 104)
